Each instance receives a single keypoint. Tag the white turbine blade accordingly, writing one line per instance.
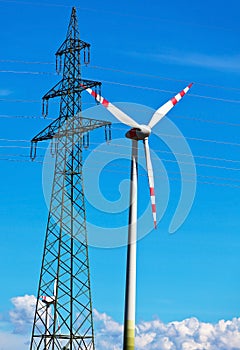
(120, 115)
(150, 180)
(163, 110)
(55, 289)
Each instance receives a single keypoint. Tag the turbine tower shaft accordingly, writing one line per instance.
(130, 297)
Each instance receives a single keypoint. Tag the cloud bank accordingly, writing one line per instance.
(189, 334)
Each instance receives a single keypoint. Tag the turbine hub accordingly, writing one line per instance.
(139, 133)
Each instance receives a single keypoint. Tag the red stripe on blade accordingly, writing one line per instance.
(152, 193)
(105, 103)
(174, 101)
(94, 94)
(154, 208)
(182, 93)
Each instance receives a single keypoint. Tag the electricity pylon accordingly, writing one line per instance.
(63, 315)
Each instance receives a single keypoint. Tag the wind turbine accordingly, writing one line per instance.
(136, 133)
(48, 301)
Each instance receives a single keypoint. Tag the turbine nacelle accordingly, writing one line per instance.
(139, 133)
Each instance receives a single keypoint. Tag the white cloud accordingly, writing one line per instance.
(21, 316)
(109, 332)
(189, 334)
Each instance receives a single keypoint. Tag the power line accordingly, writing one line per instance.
(7, 116)
(19, 100)
(209, 121)
(126, 155)
(142, 88)
(25, 62)
(127, 167)
(133, 86)
(112, 69)
(174, 161)
(122, 166)
(124, 84)
(182, 154)
(232, 185)
(127, 85)
(169, 91)
(194, 138)
(122, 14)
(26, 72)
(161, 77)
(202, 140)
(155, 150)
(35, 3)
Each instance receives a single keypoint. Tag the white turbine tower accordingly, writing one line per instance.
(48, 301)
(136, 133)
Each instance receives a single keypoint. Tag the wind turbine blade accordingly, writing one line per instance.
(150, 180)
(120, 115)
(163, 110)
(55, 288)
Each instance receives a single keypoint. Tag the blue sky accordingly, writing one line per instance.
(143, 52)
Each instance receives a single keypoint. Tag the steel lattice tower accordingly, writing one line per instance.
(63, 315)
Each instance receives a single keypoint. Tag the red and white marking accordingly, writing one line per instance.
(157, 116)
(120, 115)
(180, 95)
(99, 98)
(47, 299)
(150, 180)
(164, 109)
